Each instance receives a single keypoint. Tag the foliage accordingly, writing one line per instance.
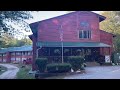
(66, 50)
(112, 25)
(58, 67)
(76, 62)
(41, 63)
(23, 73)
(9, 20)
(8, 41)
(57, 51)
(16, 17)
(2, 69)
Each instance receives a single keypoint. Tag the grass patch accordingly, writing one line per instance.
(23, 73)
(2, 69)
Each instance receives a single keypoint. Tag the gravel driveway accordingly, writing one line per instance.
(98, 72)
(10, 73)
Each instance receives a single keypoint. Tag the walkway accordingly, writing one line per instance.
(10, 73)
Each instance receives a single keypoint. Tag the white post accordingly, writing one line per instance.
(62, 53)
(61, 37)
(37, 51)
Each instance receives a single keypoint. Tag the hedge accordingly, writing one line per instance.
(59, 67)
(76, 62)
(41, 63)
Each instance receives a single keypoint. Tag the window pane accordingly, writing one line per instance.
(80, 34)
(85, 34)
(89, 34)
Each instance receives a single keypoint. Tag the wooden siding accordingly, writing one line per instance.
(49, 30)
(106, 38)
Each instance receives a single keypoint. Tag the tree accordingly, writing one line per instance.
(112, 25)
(8, 21)
(6, 40)
(9, 41)
(14, 17)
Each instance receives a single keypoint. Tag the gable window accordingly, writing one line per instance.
(85, 34)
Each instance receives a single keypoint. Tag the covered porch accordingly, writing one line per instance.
(89, 50)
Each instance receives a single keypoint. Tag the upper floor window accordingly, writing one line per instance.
(85, 34)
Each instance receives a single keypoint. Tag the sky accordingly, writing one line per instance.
(42, 15)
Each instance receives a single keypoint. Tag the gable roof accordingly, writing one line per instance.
(34, 25)
(100, 16)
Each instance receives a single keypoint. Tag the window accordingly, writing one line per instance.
(18, 53)
(17, 59)
(26, 53)
(12, 53)
(85, 34)
(12, 59)
(4, 60)
(4, 54)
(29, 53)
(23, 53)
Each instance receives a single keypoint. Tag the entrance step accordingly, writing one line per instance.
(90, 64)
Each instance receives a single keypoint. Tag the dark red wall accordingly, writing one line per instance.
(106, 38)
(48, 30)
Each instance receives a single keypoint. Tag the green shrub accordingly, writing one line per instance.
(59, 67)
(41, 63)
(76, 62)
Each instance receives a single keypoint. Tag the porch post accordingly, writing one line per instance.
(37, 51)
(49, 51)
(62, 53)
(71, 51)
(2, 57)
(15, 56)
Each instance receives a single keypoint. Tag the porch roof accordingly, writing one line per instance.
(13, 49)
(72, 44)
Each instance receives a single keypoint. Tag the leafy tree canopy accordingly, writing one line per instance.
(9, 19)
(112, 25)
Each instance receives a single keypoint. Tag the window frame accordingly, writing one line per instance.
(88, 32)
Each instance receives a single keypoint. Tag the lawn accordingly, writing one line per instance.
(23, 73)
(2, 69)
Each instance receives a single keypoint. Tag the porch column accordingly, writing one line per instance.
(15, 56)
(2, 57)
(71, 51)
(49, 51)
(21, 56)
(8, 58)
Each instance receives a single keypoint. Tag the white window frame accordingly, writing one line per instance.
(88, 35)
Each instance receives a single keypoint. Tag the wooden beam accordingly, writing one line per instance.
(71, 51)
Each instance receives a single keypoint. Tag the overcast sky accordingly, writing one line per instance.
(42, 15)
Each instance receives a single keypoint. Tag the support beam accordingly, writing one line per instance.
(71, 50)
(49, 51)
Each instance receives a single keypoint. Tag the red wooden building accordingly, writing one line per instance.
(16, 54)
(79, 31)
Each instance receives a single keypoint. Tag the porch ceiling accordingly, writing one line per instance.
(72, 44)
